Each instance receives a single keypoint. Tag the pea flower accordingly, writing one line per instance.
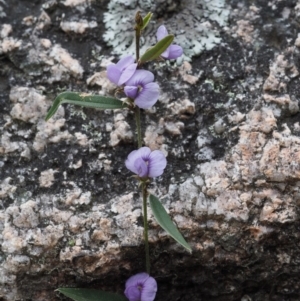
(173, 51)
(141, 88)
(141, 287)
(146, 163)
(122, 71)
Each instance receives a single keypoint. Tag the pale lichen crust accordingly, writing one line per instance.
(194, 23)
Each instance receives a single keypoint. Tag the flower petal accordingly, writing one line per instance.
(127, 74)
(141, 167)
(131, 91)
(157, 164)
(125, 62)
(175, 51)
(165, 54)
(133, 293)
(161, 32)
(141, 277)
(148, 96)
(113, 73)
(130, 162)
(140, 77)
(142, 153)
(149, 290)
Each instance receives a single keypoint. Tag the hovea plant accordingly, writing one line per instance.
(141, 92)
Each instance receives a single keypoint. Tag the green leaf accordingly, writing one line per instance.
(165, 221)
(85, 100)
(146, 20)
(84, 294)
(155, 51)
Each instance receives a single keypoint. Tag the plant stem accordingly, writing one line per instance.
(137, 43)
(144, 191)
(145, 196)
(137, 112)
(138, 125)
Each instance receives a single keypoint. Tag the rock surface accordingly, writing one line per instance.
(227, 120)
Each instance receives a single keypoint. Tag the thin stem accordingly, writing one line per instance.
(145, 195)
(138, 125)
(139, 22)
(137, 44)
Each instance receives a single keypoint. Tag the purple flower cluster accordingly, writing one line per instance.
(139, 85)
(141, 287)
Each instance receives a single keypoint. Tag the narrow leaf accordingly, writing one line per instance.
(146, 20)
(155, 51)
(165, 221)
(85, 100)
(84, 294)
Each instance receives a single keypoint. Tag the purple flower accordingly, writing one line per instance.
(141, 287)
(173, 51)
(141, 88)
(146, 163)
(122, 71)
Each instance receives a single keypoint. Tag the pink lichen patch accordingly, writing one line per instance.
(100, 236)
(281, 71)
(231, 205)
(50, 131)
(154, 137)
(46, 178)
(281, 162)
(81, 139)
(185, 70)
(77, 197)
(174, 128)
(9, 44)
(216, 177)
(183, 108)
(245, 30)
(281, 100)
(268, 163)
(29, 104)
(61, 56)
(121, 132)
(277, 207)
(261, 121)
(15, 239)
(6, 29)
(25, 216)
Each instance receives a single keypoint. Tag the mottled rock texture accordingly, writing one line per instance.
(227, 120)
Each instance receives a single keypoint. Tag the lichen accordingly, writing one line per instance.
(2, 13)
(194, 23)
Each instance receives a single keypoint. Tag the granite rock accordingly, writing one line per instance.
(227, 120)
